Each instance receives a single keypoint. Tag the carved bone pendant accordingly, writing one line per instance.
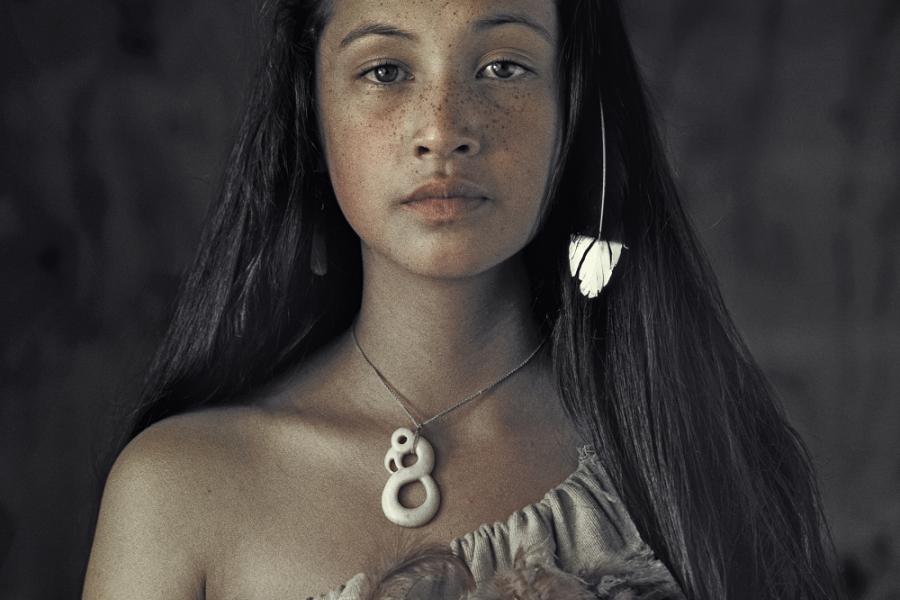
(401, 445)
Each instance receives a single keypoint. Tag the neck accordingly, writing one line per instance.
(439, 340)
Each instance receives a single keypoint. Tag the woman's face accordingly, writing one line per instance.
(416, 92)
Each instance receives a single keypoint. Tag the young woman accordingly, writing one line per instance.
(449, 271)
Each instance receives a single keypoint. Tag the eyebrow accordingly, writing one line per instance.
(495, 20)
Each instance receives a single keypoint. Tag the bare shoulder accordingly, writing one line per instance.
(182, 453)
(202, 434)
(154, 522)
(187, 460)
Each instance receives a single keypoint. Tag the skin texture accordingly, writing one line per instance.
(446, 305)
(443, 106)
(281, 498)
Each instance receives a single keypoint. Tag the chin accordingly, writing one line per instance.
(449, 255)
(448, 268)
(456, 259)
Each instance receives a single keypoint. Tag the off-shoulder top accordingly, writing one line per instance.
(582, 523)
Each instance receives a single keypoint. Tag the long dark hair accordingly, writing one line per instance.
(653, 372)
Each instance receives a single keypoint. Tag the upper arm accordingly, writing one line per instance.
(149, 534)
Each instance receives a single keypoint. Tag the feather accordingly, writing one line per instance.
(419, 572)
(592, 261)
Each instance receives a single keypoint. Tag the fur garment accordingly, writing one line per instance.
(434, 572)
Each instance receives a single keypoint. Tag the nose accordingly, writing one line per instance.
(446, 129)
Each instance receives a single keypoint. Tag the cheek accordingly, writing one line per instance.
(526, 113)
(360, 145)
(519, 124)
(523, 132)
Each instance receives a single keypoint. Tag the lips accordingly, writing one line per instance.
(446, 188)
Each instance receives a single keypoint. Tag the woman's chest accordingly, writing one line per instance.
(283, 538)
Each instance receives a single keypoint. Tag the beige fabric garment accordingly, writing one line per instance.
(581, 522)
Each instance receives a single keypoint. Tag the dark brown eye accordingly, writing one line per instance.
(386, 73)
(504, 69)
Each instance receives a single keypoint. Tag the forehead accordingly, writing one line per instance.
(424, 20)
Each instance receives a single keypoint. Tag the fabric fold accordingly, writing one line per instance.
(581, 524)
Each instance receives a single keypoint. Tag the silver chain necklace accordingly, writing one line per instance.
(406, 442)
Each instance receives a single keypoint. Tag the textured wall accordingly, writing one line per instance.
(781, 116)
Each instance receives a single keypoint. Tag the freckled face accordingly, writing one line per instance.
(442, 89)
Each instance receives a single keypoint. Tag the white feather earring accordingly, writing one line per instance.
(592, 259)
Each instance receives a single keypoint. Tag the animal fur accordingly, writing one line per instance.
(434, 572)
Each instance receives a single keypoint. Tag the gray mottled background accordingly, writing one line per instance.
(782, 118)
